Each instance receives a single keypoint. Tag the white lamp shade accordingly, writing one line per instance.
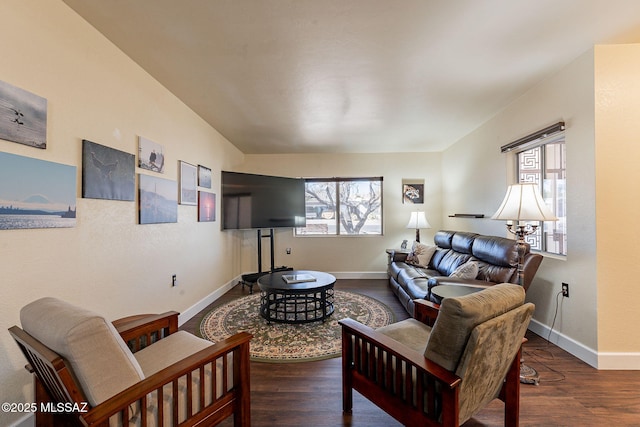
(523, 202)
(418, 220)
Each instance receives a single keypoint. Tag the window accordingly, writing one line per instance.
(545, 164)
(343, 206)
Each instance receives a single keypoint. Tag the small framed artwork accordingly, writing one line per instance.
(158, 200)
(150, 155)
(23, 116)
(188, 184)
(107, 173)
(204, 176)
(413, 192)
(206, 206)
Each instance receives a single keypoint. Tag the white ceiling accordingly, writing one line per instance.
(313, 76)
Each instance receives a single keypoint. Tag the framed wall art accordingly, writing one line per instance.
(204, 176)
(150, 155)
(107, 173)
(23, 116)
(188, 184)
(157, 200)
(36, 193)
(206, 206)
(413, 191)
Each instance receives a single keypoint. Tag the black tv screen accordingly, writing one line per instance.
(261, 201)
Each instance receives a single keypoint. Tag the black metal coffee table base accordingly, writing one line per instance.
(297, 302)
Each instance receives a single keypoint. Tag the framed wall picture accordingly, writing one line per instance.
(107, 173)
(157, 200)
(188, 184)
(150, 155)
(36, 193)
(206, 206)
(413, 191)
(23, 116)
(204, 176)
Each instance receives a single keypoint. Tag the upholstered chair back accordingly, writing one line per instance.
(99, 359)
(468, 334)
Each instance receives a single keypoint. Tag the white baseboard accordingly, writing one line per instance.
(602, 361)
(203, 303)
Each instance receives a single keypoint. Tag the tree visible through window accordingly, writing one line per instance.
(343, 206)
(546, 166)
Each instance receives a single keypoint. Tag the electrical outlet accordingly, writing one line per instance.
(174, 280)
(565, 290)
(288, 251)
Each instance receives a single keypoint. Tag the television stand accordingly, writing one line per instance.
(250, 279)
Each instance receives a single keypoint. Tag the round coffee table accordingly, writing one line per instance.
(306, 301)
(448, 291)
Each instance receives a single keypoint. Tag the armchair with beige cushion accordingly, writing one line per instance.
(114, 374)
(441, 375)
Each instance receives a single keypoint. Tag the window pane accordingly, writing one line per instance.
(360, 207)
(554, 194)
(320, 201)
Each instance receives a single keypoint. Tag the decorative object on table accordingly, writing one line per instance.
(413, 192)
(23, 116)
(36, 193)
(418, 220)
(403, 246)
(204, 176)
(158, 200)
(285, 343)
(522, 204)
(206, 206)
(150, 155)
(188, 184)
(107, 173)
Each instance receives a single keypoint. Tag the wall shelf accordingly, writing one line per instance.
(466, 216)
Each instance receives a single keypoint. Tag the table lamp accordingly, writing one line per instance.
(418, 220)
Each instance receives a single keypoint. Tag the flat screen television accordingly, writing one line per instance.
(260, 201)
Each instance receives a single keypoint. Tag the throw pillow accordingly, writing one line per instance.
(421, 254)
(468, 270)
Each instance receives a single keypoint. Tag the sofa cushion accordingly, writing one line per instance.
(444, 238)
(410, 332)
(421, 254)
(463, 242)
(450, 261)
(458, 316)
(496, 250)
(100, 360)
(468, 270)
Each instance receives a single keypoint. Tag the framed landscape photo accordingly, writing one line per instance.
(206, 206)
(157, 200)
(107, 173)
(204, 176)
(150, 155)
(188, 184)
(23, 116)
(36, 193)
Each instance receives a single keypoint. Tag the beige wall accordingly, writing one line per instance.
(107, 262)
(617, 130)
(351, 256)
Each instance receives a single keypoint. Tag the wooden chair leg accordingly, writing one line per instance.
(511, 393)
(347, 383)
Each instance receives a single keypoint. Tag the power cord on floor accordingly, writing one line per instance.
(548, 355)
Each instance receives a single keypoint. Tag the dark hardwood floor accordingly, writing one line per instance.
(571, 393)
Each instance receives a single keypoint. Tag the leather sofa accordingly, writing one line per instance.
(496, 260)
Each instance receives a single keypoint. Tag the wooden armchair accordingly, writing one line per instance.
(441, 375)
(138, 371)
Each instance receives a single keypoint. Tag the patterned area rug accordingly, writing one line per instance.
(284, 343)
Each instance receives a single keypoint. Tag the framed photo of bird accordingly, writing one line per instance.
(107, 173)
(23, 116)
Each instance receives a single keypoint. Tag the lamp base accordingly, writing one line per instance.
(528, 375)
